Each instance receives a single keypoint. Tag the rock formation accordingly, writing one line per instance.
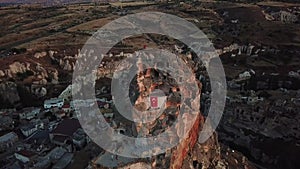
(8, 93)
(288, 17)
(40, 55)
(189, 153)
(18, 67)
(2, 74)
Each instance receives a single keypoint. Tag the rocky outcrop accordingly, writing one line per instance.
(141, 165)
(188, 153)
(15, 68)
(38, 73)
(8, 94)
(38, 91)
(2, 74)
(68, 66)
(54, 75)
(67, 63)
(39, 55)
(51, 53)
(181, 151)
(42, 71)
(288, 17)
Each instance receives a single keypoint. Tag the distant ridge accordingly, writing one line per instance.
(47, 2)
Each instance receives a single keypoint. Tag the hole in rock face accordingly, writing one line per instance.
(195, 164)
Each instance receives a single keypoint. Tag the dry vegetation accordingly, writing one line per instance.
(68, 27)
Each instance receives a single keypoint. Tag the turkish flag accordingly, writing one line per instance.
(154, 102)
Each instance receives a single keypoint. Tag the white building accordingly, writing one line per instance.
(254, 99)
(24, 156)
(29, 129)
(55, 102)
(29, 113)
(52, 125)
(295, 74)
(235, 21)
(245, 75)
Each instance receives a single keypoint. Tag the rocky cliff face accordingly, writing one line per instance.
(41, 68)
(36, 73)
(181, 151)
(189, 153)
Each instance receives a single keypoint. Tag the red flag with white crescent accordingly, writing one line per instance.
(154, 101)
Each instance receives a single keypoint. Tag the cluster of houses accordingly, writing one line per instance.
(8, 140)
(38, 141)
(289, 15)
(264, 115)
(47, 136)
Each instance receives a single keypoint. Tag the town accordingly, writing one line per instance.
(41, 126)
